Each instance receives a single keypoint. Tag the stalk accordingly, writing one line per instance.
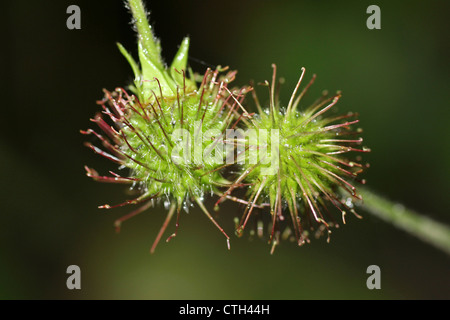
(145, 34)
(418, 225)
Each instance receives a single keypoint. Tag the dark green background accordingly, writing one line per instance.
(397, 78)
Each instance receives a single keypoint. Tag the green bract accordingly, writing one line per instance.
(151, 63)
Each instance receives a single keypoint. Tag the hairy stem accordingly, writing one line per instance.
(422, 227)
(146, 36)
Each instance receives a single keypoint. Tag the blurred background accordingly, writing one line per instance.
(397, 78)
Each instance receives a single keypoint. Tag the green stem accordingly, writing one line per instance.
(424, 228)
(146, 36)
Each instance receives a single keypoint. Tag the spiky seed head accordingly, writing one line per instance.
(158, 131)
(148, 140)
(312, 155)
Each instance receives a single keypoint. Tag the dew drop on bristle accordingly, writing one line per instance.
(349, 202)
(166, 204)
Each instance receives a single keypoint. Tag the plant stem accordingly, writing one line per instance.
(145, 33)
(424, 228)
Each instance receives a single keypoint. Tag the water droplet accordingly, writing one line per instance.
(166, 204)
(349, 202)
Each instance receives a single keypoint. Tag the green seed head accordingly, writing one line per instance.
(167, 132)
(301, 167)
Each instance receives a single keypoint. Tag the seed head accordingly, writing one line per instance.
(164, 132)
(307, 165)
